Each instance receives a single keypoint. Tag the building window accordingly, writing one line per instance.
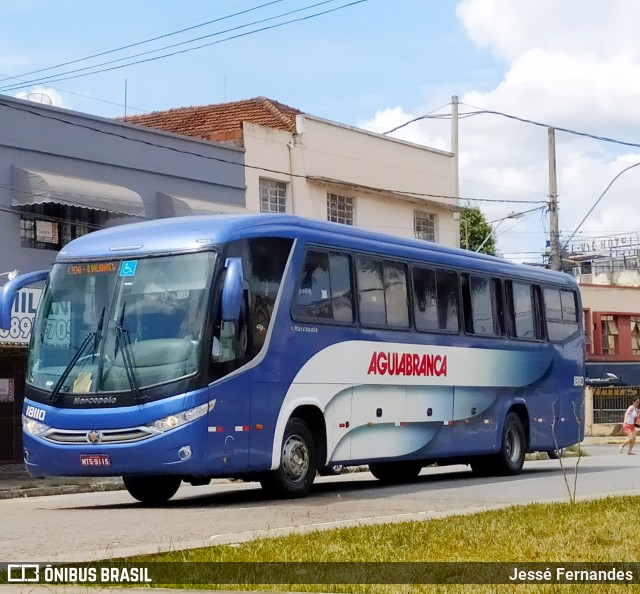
(635, 334)
(424, 226)
(273, 195)
(50, 226)
(609, 335)
(340, 209)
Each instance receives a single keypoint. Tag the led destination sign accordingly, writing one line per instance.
(91, 268)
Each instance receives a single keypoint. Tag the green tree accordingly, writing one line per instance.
(474, 230)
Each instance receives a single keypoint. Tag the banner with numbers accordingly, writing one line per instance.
(22, 316)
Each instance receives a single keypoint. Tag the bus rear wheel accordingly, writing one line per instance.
(555, 454)
(395, 472)
(298, 464)
(510, 459)
(152, 490)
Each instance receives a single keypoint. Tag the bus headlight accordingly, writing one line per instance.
(181, 418)
(33, 427)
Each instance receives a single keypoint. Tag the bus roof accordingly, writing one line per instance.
(198, 232)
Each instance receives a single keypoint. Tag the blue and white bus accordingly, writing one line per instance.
(269, 347)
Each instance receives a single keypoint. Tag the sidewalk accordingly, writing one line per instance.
(16, 482)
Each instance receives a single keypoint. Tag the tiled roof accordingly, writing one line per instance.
(209, 121)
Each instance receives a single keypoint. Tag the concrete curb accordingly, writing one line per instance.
(15, 482)
(33, 490)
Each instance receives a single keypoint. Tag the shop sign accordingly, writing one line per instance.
(6, 390)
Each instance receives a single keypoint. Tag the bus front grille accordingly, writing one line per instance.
(107, 436)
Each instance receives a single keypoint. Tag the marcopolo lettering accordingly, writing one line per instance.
(407, 364)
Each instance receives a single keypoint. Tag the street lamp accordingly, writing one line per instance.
(566, 243)
(513, 215)
(10, 275)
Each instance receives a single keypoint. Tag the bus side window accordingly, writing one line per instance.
(341, 292)
(521, 311)
(561, 312)
(371, 292)
(481, 297)
(425, 299)
(395, 294)
(448, 300)
(324, 288)
(497, 300)
(538, 308)
(312, 299)
(264, 260)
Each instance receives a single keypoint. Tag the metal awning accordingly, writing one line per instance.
(29, 187)
(170, 205)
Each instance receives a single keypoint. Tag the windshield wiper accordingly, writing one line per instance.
(124, 342)
(96, 336)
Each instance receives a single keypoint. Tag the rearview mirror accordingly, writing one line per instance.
(232, 290)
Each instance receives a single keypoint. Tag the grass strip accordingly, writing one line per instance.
(587, 531)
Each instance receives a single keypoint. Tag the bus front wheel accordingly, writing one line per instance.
(395, 472)
(152, 490)
(298, 465)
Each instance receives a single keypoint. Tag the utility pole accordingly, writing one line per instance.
(555, 262)
(456, 172)
(454, 146)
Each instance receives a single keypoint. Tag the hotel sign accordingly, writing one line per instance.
(613, 245)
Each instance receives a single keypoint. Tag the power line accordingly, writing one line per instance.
(481, 111)
(61, 119)
(138, 43)
(60, 77)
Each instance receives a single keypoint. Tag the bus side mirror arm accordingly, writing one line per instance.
(8, 294)
(232, 290)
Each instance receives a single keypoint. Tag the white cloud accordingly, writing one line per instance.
(510, 29)
(573, 64)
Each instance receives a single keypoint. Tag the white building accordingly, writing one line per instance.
(308, 166)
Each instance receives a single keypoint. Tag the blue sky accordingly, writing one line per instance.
(376, 64)
(342, 65)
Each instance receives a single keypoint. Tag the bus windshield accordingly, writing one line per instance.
(116, 326)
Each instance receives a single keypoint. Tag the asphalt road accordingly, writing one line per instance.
(91, 526)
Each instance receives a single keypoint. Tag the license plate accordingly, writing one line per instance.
(95, 460)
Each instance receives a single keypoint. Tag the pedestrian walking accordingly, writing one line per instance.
(629, 426)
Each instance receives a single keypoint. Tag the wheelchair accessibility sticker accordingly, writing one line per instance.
(128, 268)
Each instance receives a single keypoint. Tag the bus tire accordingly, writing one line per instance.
(331, 470)
(510, 458)
(298, 465)
(513, 447)
(555, 454)
(395, 472)
(152, 490)
(482, 465)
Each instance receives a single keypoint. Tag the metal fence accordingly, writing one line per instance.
(611, 402)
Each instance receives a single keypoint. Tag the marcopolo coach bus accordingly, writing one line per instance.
(269, 347)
